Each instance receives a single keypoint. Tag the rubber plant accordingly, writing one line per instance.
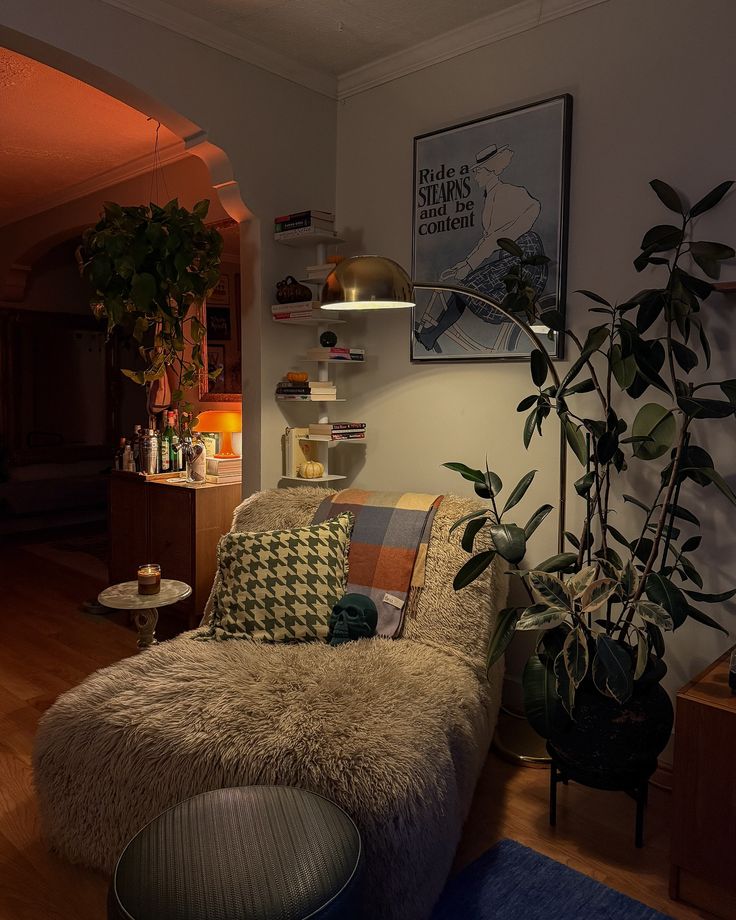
(150, 269)
(637, 394)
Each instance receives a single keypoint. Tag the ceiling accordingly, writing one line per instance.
(59, 134)
(334, 36)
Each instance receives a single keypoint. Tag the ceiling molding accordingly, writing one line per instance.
(103, 180)
(494, 28)
(207, 33)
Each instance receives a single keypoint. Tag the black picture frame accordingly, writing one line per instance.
(448, 167)
(218, 324)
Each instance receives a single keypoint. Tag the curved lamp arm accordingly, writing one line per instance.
(468, 292)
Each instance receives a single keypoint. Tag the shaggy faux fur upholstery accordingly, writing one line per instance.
(393, 731)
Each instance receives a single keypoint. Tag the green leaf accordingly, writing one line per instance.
(472, 569)
(531, 421)
(510, 542)
(539, 615)
(655, 422)
(565, 687)
(584, 484)
(538, 367)
(576, 440)
(596, 594)
(527, 402)
(591, 295)
(518, 491)
(553, 319)
(705, 408)
(136, 376)
(711, 199)
(679, 512)
(510, 246)
(140, 328)
(691, 544)
(201, 208)
(536, 519)
(715, 478)
(557, 563)
(642, 654)
(578, 582)
(654, 613)
(667, 195)
(624, 368)
(661, 591)
(466, 472)
(729, 390)
(703, 618)
(575, 655)
(662, 237)
(549, 587)
(685, 357)
(143, 290)
(617, 665)
(541, 702)
(599, 675)
(471, 532)
(467, 517)
(503, 633)
(584, 386)
(491, 486)
(711, 598)
(714, 252)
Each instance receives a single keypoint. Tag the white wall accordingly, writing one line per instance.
(279, 137)
(651, 83)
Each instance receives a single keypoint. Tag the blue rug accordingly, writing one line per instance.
(512, 882)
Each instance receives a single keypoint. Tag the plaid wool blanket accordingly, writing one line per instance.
(388, 548)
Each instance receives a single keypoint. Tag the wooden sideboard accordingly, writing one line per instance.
(704, 794)
(172, 523)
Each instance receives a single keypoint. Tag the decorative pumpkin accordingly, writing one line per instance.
(328, 339)
(312, 469)
(297, 376)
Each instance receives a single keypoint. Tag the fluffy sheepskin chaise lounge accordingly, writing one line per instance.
(394, 731)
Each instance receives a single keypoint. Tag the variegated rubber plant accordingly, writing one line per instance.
(606, 601)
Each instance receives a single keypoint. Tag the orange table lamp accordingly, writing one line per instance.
(225, 423)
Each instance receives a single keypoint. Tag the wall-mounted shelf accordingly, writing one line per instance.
(307, 399)
(309, 238)
(318, 318)
(332, 477)
(725, 287)
(333, 442)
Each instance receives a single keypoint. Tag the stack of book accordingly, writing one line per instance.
(302, 309)
(317, 274)
(336, 354)
(224, 469)
(310, 390)
(304, 223)
(338, 431)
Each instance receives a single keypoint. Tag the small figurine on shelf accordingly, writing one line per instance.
(328, 339)
(311, 469)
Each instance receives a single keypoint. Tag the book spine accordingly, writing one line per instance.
(304, 231)
(336, 436)
(320, 215)
(300, 222)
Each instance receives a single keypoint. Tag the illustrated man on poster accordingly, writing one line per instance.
(508, 211)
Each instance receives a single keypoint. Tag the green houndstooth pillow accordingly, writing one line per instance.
(280, 585)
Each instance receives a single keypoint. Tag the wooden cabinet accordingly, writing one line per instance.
(704, 794)
(174, 524)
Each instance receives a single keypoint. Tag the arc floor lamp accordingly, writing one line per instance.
(378, 283)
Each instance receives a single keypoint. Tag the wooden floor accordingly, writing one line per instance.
(48, 645)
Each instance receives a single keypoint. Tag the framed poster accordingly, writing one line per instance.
(221, 291)
(506, 175)
(218, 323)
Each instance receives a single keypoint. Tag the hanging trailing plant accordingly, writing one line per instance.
(606, 602)
(150, 269)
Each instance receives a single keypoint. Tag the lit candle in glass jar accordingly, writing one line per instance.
(149, 578)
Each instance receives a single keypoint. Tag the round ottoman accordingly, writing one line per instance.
(245, 853)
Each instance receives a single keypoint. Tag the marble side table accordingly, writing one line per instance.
(125, 596)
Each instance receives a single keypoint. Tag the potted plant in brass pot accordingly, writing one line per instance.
(637, 395)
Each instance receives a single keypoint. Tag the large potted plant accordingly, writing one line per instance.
(150, 269)
(635, 396)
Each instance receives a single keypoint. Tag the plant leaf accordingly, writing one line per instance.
(575, 654)
(596, 594)
(565, 687)
(510, 542)
(467, 517)
(471, 532)
(473, 568)
(557, 562)
(703, 618)
(578, 582)
(549, 587)
(538, 367)
(584, 484)
(536, 519)
(576, 440)
(542, 703)
(519, 490)
(711, 199)
(539, 615)
(503, 633)
(661, 591)
(658, 424)
(466, 472)
(653, 613)
(710, 598)
(591, 295)
(617, 665)
(642, 654)
(667, 195)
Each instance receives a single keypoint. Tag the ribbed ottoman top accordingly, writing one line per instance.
(255, 852)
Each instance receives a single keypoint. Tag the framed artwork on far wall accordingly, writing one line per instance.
(221, 291)
(506, 175)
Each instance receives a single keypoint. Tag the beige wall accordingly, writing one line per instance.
(651, 85)
(252, 115)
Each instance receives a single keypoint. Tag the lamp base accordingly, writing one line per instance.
(515, 740)
(222, 455)
(226, 451)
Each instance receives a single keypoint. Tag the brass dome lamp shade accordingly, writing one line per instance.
(367, 283)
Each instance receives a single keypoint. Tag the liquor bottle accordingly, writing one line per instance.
(149, 452)
(119, 454)
(136, 448)
(166, 437)
(128, 461)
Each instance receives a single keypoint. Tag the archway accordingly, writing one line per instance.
(195, 142)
